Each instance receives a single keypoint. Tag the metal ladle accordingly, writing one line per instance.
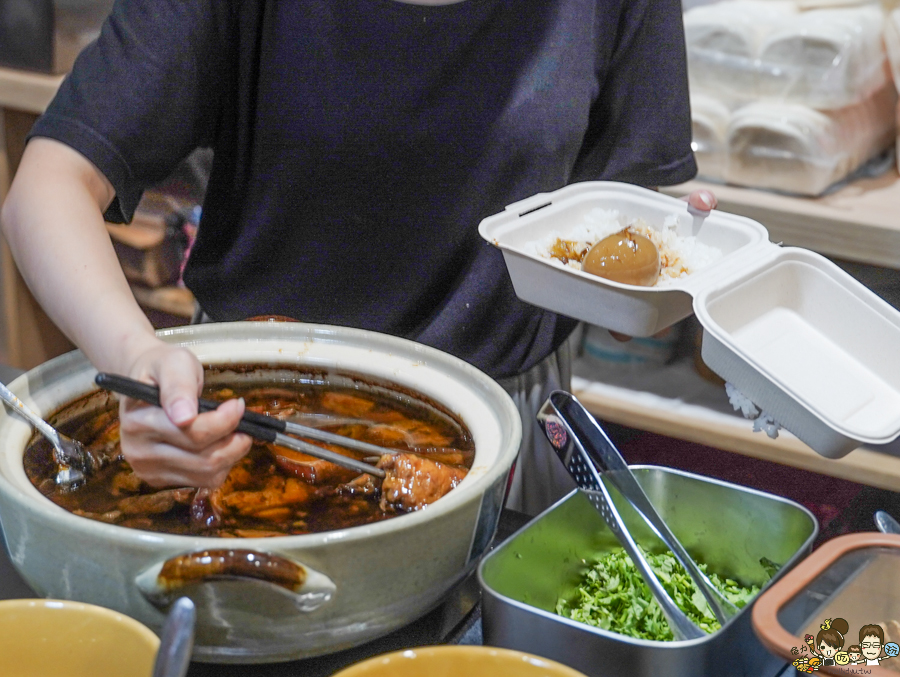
(589, 456)
(176, 643)
(74, 461)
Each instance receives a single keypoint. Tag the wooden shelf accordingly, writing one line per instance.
(176, 301)
(858, 222)
(26, 91)
(675, 418)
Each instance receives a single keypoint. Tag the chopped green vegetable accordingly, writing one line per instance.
(770, 566)
(613, 596)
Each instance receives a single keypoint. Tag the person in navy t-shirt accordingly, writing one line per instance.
(357, 145)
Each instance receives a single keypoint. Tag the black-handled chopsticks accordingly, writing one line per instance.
(260, 426)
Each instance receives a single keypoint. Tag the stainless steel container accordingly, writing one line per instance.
(728, 527)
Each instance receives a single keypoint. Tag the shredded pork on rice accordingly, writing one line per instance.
(678, 256)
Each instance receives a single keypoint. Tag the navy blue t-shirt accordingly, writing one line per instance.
(359, 143)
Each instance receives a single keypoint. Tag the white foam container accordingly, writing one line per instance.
(793, 332)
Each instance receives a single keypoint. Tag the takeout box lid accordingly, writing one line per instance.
(821, 363)
(767, 623)
(810, 345)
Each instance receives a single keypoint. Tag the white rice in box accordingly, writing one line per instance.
(679, 256)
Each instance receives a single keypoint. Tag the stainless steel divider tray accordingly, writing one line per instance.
(723, 525)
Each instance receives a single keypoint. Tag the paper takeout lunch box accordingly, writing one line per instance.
(798, 336)
(855, 577)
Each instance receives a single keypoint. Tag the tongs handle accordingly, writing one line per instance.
(258, 426)
(602, 455)
(567, 441)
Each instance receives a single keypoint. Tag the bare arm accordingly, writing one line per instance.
(53, 221)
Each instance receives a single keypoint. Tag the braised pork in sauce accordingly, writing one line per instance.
(412, 481)
(275, 491)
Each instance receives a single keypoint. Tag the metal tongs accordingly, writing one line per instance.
(590, 456)
(262, 427)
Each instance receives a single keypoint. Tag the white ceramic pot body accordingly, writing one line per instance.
(376, 577)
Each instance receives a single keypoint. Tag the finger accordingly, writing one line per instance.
(151, 425)
(164, 465)
(179, 376)
(211, 426)
(703, 200)
(619, 337)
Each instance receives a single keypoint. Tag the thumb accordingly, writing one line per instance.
(180, 381)
(703, 200)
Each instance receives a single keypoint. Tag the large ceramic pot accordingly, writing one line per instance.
(360, 583)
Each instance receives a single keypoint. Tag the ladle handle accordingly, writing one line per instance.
(176, 642)
(19, 407)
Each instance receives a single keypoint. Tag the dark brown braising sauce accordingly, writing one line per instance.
(272, 491)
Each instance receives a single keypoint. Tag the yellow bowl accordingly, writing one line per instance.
(452, 661)
(54, 638)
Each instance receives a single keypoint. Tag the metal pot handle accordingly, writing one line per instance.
(166, 580)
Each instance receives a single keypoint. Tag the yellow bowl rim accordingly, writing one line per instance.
(360, 669)
(140, 630)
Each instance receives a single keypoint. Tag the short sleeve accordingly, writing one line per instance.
(145, 94)
(640, 124)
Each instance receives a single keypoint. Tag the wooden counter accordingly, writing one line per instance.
(682, 420)
(26, 91)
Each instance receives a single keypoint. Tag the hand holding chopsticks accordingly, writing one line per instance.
(261, 427)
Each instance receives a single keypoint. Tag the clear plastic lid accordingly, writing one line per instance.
(841, 605)
(862, 587)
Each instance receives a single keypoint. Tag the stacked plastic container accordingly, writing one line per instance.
(892, 44)
(790, 95)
